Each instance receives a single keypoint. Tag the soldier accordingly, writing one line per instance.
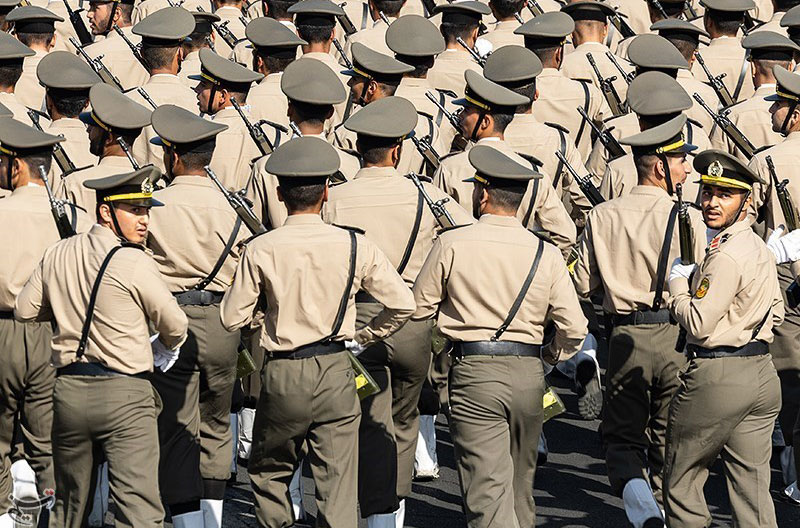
(229, 11)
(488, 109)
(26, 379)
(103, 308)
(5, 8)
(224, 83)
(162, 34)
(622, 254)
(305, 350)
(383, 13)
(12, 55)
(502, 31)
(34, 27)
(194, 427)
(67, 80)
(392, 213)
(722, 20)
(751, 116)
(673, 11)
(190, 48)
(791, 21)
(558, 94)
(312, 90)
(459, 19)
(729, 395)
(497, 378)
(274, 48)
(780, 8)
(146, 8)
(117, 56)
(591, 29)
(113, 121)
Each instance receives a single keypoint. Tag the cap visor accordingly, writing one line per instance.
(195, 77)
(460, 102)
(687, 148)
(349, 73)
(156, 203)
(470, 180)
(86, 117)
(157, 141)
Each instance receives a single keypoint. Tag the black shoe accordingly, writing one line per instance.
(542, 451)
(590, 393)
(654, 522)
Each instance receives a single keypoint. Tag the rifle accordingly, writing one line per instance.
(64, 226)
(475, 55)
(424, 147)
(685, 231)
(59, 154)
(460, 142)
(146, 97)
(607, 87)
(790, 217)
(223, 31)
(689, 13)
(440, 212)
(716, 83)
(134, 48)
(344, 21)
(97, 66)
(294, 128)
(534, 7)
(584, 182)
(240, 206)
(628, 77)
(340, 49)
(739, 140)
(256, 133)
(210, 43)
(622, 26)
(660, 8)
(610, 143)
(384, 18)
(519, 18)
(79, 25)
(429, 6)
(127, 150)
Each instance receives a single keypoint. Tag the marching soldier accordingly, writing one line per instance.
(26, 379)
(729, 394)
(117, 56)
(194, 426)
(545, 35)
(622, 254)
(230, 13)
(114, 121)
(145, 8)
(502, 31)
(12, 55)
(104, 294)
(751, 116)
(497, 378)
(224, 83)
(34, 27)
(391, 210)
(199, 39)
(308, 390)
(488, 109)
(722, 20)
(383, 13)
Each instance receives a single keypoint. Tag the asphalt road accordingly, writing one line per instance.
(571, 490)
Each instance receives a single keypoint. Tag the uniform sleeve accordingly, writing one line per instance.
(585, 275)
(429, 288)
(778, 307)
(381, 280)
(553, 218)
(566, 313)
(158, 304)
(239, 303)
(31, 304)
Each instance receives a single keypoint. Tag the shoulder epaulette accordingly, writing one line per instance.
(446, 229)
(698, 124)
(613, 117)
(557, 127)
(543, 235)
(350, 228)
(449, 93)
(133, 246)
(533, 160)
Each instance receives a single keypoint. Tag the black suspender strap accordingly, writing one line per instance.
(531, 203)
(689, 132)
(440, 115)
(760, 325)
(563, 150)
(221, 259)
(661, 272)
(579, 135)
(412, 239)
(346, 295)
(742, 73)
(365, 15)
(522, 292)
(87, 322)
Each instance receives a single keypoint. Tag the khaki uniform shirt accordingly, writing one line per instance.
(190, 66)
(75, 144)
(773, 24)
(383, 203)
(187, 235)
(548, 212)
(638, 16)
(454, 280)
(148, 7)
(301, 269)
(448, 70)
(28, 90)
(689, 83)
(18, 110)
(374, 37)
(235, 149)
(732, 291)
(64, 29)
(620, 249)
(26, 216)
(726, 55)
(231, 15)
(267, 101)
(764, 10)
(71, 188)
(414, 89)
(119, 59)
(243, 53)
(784, 157)
(560, 96)
(132, 297)
(501, 34)
(576, 66)
(752, 117)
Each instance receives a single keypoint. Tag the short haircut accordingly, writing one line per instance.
(501, 120)
(69, 103)
(279, 8)
(506, 8)
(726, 22)
(374, 150)
(421, 65)
(525, 90)
(272, 63)
(301, 193)
(644, 165)
(388, 88)
(545, 54)
(451, 31)
(506, 198)
(389, 7)
(37, 158)
(10, 73)
(195, 42)
(158, 57)
(588, 25)
(35, 39)
(195, 160)
(314, 34)
(768, 65)
(125, 11)
(312, 114)
(685, 47)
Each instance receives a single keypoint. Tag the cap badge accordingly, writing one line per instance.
(147, 187)
(715, 169)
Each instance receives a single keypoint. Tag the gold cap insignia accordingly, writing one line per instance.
(147, 187)
(715, 169)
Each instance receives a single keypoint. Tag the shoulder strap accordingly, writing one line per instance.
(742, 73)
(689, 132)
(365, 15)
(87, 322)
(563, 149)
(522, 292)
(337, 325)
(221, 259)
(579, 135)
(760, 325)
(661, 271)
(440, 113)
(413, 237)
(531, 203)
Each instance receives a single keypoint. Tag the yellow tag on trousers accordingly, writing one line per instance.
(552, 404)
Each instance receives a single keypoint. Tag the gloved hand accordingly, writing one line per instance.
(483, 47)
(354, 347)
(786, 248)
(680, 270)
(163, 357)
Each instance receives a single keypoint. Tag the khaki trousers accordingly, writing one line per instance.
(390, 419)
(495, 420)
(26, 389)
(724, 406)
(311, 401)
(113, 416)
(641, 378)
(194, 427)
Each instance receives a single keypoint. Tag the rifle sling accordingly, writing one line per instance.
(222, 257)
(563, 149)
(579, 135)
(337, 325)
(663, 256)
(522, 292)
(412, 239)
(742, 73)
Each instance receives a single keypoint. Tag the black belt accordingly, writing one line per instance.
(309, 351)
(753, 348)
(6, 315)
(198, 298)
(641, 318)
(495, 348)
(364, 297)
(93, 369)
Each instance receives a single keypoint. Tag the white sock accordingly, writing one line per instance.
(640, 505)
(296, 493)
(246, 417)
(400, 515)
(425, 455)
(192, 519)
(24, 480)
(381, 520)
(6, 521)
(212, 512)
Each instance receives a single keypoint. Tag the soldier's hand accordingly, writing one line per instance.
(550, 355)
(786, 248)
(354, 347)
(681, 270)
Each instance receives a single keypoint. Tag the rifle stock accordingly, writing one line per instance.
(440, 212)
(259, 137)
(607, 87)
(585, 184)
(64, 226)
(716, 83)
(59, 154)
(475, 55)
(97, 65)
(239, 205)
(78, 24)
(685, 231)
(612, 146)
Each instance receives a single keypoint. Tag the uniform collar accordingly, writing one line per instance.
(230, 111)
(506, 221)
(164, 78)
(68, 122)
(768, 88)
(793, 136)
(524, 119)
(550, 72)
(192, 179)
(722, 236)
(414, 83)
(649, 190)
(272, 78)
(376, 172)
(115, 162)
(592, 47)
(29, 190)
(303, 219)
(684, 74)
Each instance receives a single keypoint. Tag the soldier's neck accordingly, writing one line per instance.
(309, 129)
(317, 47)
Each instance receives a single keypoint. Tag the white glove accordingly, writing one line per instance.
(786, 248)
(483, 47)
(680, 270)
(163, 357)
(354, 347)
